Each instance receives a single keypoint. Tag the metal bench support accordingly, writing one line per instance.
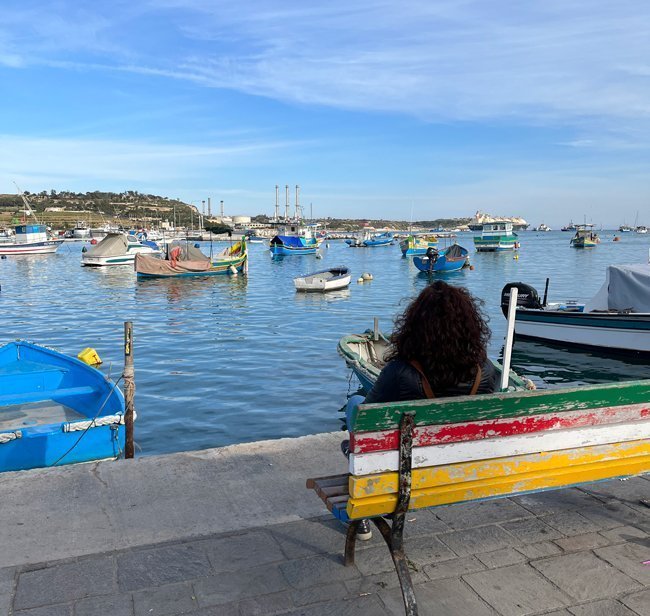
(394, 534)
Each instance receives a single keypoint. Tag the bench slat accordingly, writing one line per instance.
(423, 436)
(500, 486)
(486, 449)
(434, 476)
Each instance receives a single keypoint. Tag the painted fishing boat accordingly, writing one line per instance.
(294, 239)
(117, 249)
(417, 244)
(365, 354)
(585, 237)
(616, 319)
(451, 259)
(48, 401)
(368, 239)
(184, 260)
(496, 237)
(325, 280)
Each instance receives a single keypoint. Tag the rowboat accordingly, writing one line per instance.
(325, 280)
(496, 237)
(365, 354)
(451, 259)
(184, 260)
(616, 319)
(48, 401)
(117, 249)
(417, 244)
(584, 237)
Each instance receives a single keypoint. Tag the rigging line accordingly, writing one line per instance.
(101, 408)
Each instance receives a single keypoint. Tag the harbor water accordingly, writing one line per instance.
(235, 359)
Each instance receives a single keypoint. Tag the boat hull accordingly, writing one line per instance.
(323, 281)
(218, 268)
(623, 333)
(442, 264)
(495, 244)
(47, 401)
(30, 248)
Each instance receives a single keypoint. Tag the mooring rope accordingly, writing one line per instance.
(7, 437)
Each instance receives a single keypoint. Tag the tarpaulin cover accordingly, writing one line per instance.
(113, 245)
(455, 251)
(288, 240)
(627, 288)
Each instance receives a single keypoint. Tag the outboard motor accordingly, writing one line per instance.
(527, 298)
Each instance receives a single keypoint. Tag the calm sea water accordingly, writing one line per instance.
(229, 360)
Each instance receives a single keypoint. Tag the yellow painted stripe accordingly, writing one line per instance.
(434, 476)
(500, 486)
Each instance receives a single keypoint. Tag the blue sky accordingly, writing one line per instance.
(375, 108)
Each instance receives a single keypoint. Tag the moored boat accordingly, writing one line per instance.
(324, 280)
(496, 237)
(451, 259)
(417, 244)
(117, 249)
(365, 354)
(368, 239)
(47, 401)
(184, 260)
(294, 238)
(616, 319)
(585, 237)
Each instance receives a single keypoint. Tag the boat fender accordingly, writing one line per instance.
(359, 280)
(89, 356)
(93, 242)
(197, 245)
(527, 297)
(319, 256)
(233, 270)
(84, 249)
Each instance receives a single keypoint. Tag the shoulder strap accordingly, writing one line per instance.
(425, 381)
(477, 381)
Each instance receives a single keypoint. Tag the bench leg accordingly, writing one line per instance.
(351, 542)
(393, 538)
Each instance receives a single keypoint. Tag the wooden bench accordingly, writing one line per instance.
(425, 453)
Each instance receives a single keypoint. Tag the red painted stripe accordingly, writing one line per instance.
(366, 442)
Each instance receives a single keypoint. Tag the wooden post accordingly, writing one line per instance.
(510, 334)
(129, 388)
(375, 330)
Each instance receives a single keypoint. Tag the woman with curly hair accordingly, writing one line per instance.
(438, 349)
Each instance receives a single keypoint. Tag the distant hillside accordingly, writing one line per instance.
(58, 208)
(353, 224)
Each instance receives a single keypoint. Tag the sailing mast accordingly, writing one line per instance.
(28, 207)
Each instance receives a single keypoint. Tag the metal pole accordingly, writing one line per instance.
(510, 334)
(375, 330)
(129, 388)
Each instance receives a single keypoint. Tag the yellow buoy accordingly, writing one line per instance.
(359, 279)
(89, 356)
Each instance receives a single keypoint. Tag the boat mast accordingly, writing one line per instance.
(28, 207)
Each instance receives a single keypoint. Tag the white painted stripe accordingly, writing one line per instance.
(487, 449)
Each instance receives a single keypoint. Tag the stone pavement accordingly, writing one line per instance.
(575, 552)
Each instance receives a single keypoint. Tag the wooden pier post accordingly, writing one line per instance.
(129, 388)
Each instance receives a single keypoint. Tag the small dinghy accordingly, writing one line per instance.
(48, 401)
(451, 259)
(325, 280)
(365, 354)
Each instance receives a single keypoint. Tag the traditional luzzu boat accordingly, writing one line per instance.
(417, 244)
(294, 239)
(368, 239)
(48, 402)
(184, 260)
(616, 319)
(496, 237)
(365, 354)
(585, 237)
(330, 279)
(117, 249)
(451, 259)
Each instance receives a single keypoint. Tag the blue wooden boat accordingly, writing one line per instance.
(366, 239)
(48, 402)
(285, 245)
(450, 259)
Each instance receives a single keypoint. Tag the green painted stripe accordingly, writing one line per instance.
(386, 416)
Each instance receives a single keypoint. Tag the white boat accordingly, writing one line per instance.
(325, 280)
(616, 319)
(81, 231)
(117, 249)
(543, 227)
(29, 239)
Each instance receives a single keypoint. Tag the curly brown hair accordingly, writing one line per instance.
(444, 329)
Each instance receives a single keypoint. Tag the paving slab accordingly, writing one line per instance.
(639, 602)
(629, 558)
(517, 590)
(113, 605)
(601, 608)
(584, 576)
(476, 540)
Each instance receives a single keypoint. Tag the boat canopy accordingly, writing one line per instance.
(113, 245)
(627, 288)
(455, 251)
(288, 240)
(185, 251)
